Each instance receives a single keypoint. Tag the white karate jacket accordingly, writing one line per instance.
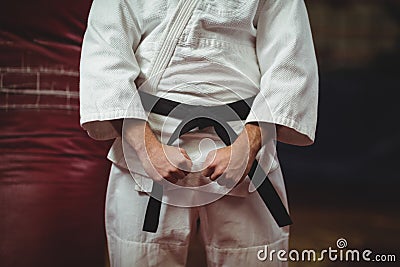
(229, 50)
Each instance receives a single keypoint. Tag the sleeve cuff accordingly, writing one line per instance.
(288, 130)
(99, 127)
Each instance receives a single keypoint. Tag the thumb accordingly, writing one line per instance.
(187, 165)
(185, 154)
(208, 164)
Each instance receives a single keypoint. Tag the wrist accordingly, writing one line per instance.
(249, 139)
(253, 132)
(137, 133)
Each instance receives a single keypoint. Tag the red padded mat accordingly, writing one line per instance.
(52, 175)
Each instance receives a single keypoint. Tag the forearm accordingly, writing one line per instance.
(137, 133)
(255, 135)
(158, 160)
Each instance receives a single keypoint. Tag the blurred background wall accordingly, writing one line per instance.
(53, 177)
(347, 184)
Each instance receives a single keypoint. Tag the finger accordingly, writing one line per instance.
(174, 155)
(171, 179)
(210, 157)
(152, 172)
(214, 176)
(207, 172)
(178, 174)
(184, 162)
(185, 154)
(208, 166)
(172, 174)
(185, 166)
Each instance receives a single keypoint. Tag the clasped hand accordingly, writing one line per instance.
(228, 165)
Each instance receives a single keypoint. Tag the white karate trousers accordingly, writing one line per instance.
(233, 228)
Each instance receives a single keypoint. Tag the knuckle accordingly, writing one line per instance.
(219, 171)
(158, 178)
(172, 180)
(217, 174)
(183, 162)
(166, 174)
(213, 164)
(210, 155)
(171, 170)
(208, 169)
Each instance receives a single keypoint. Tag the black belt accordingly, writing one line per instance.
(193, 116)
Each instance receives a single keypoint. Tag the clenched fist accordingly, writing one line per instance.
(230, 165)
(159, 161)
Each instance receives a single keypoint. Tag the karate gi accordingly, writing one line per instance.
(227, 51)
